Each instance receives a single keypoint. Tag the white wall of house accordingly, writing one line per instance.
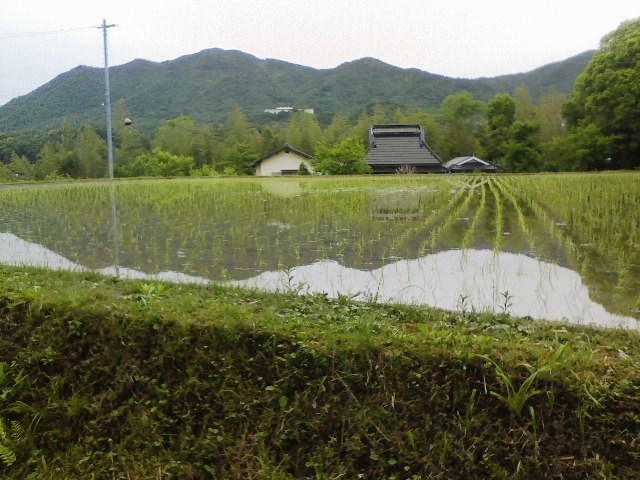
(275, 164)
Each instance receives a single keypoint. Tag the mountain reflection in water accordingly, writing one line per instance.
(480, 280)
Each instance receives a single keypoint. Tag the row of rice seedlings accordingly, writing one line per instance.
(431, 241)
(468, 236)
(611, 226)
(522, 222)
(596, 208)
(499, 220)
(592, 214)
(554, 225)
(436, 214)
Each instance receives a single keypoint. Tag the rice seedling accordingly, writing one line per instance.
(480, 210)
(222, 229)
(499, 237)
(452, 216)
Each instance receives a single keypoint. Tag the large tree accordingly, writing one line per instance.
(91, 152)
(462, 116)
(501, 113)
(511, 143)
(303, 131)
(346, 158)
(606, 101)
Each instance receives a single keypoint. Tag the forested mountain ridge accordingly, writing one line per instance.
(207, 85)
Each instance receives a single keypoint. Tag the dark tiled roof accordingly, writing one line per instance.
(399, 145)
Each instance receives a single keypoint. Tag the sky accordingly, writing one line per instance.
(456, 38)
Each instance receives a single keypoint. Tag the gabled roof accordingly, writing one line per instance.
(287, 149)
(399, 145)
(466, 159)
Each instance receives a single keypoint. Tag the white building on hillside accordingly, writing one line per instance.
(279, 110)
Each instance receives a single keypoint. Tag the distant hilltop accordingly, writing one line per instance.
(207, 85)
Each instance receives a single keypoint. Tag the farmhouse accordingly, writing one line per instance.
(285, 161)
(470, 163)
(395, 147)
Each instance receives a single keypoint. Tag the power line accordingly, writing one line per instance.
(43, 32)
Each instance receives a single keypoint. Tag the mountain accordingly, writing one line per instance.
(207, 85)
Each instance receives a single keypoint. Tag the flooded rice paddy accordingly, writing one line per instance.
(559, 247)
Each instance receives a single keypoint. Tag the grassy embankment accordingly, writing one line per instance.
(102, 378)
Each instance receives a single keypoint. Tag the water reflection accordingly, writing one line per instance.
(394, 205)
(473, 279)
(114, 228)
(454, 279)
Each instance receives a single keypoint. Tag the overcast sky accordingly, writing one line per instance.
(459, 38)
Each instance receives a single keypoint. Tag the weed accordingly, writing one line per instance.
(150, 291)
(7, 441)
(506, 303)
(515, 399)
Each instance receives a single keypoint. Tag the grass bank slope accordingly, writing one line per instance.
(101, 378)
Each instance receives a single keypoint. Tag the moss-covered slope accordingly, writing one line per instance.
(107, 379)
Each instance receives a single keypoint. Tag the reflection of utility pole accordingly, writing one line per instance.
(104, 27)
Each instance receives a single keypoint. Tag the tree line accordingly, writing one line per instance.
(181, 146)
(598, 127)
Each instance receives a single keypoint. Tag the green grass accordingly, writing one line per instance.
(102, 378)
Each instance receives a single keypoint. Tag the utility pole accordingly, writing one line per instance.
(104, 27)
(107, 102)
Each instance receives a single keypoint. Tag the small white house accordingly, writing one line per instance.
(285, 161)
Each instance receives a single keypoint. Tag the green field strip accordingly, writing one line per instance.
(477, 216)
(431, 242)
(427, 224)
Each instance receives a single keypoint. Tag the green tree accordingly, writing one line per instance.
(462, 117)
(585, 148)
(176, 136)
(238, 159)
(23, 144)
(369, 116)
(20, 167)
(303, 132)
(362, 126)
(129, 142)
(5, 173)
(58, 155)
(91, 153)
(520, 153)
(337, 131)
(159, 163)
(237, 126)
(271, 138)
(204, 145)
(303, 169)
(525, 109)
(346, 158)
(549, 114)
(501, 112)
(511, 143)
(49, 162)
(607, 97)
